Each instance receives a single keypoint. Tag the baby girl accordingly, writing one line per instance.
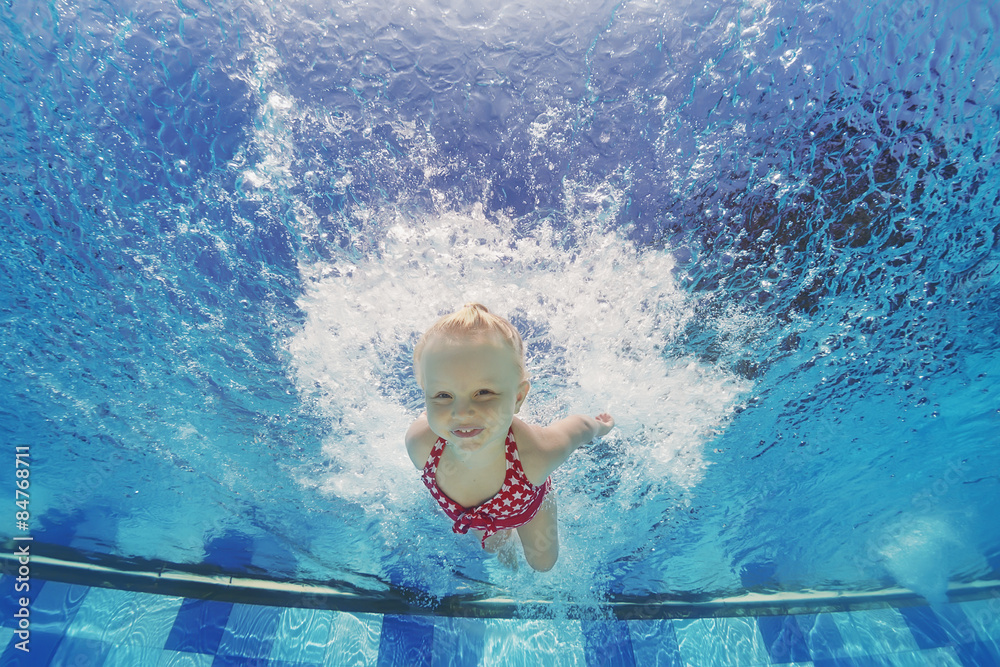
(487, 469)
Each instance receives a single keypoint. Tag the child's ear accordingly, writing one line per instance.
(522, 391)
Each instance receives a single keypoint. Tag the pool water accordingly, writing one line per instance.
(763, 235)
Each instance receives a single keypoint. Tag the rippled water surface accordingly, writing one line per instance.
(763, 235)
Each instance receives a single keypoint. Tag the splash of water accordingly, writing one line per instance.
(601, 321)
(923, 552)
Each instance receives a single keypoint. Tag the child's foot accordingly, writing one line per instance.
(507, 556)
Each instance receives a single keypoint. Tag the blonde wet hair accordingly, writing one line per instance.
(472, 319)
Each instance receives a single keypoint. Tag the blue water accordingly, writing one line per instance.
(763, 234)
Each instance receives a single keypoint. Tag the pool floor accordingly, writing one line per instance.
(86, 627)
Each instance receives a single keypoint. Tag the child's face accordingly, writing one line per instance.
(472, 389)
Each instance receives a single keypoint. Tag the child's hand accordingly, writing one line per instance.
(606, 422)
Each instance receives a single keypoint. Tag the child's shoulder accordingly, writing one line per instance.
(419, 441)
(532, 438)
(533, 450)
(527, 436)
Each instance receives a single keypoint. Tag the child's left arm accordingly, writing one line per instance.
(562, 438)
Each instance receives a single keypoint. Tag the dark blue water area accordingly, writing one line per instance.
(133, 298)
(480, 98)
(829, 169)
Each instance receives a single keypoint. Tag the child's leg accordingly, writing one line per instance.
(494, 542)
(540, 536)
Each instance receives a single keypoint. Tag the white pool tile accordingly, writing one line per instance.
(53, 609)
(153, 618)
(82, 651)
(874, 632)
(980, 620)
(303, 635)
(105, 614)
(935, 657)
(458, 642)
(183, 659)
(533, 642)
(721, 641)
(131, 654)
(250, 631)
(354, 639)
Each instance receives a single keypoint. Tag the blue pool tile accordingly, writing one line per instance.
(406, 641)
(783, 639)
(11, 593)
(199, 626)
(960, 628)
(56, 606)
(607, 643)
(976, 654)
(81, 651)
(654, 643)
(926, 627)
(855, 661)
(458, 642)
(250, 631)
(41, 647)
(821, 636)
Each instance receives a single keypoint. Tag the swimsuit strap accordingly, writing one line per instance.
(514, 467)
(510, 454)
(434, 458)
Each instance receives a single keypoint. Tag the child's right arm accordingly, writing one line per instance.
(578, 430)
(562, 438)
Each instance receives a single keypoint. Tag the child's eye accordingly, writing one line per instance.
(441, 394)
(485, 392)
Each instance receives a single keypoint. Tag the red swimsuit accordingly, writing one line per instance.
(514, 505)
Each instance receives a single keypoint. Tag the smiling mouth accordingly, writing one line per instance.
(467, 433)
